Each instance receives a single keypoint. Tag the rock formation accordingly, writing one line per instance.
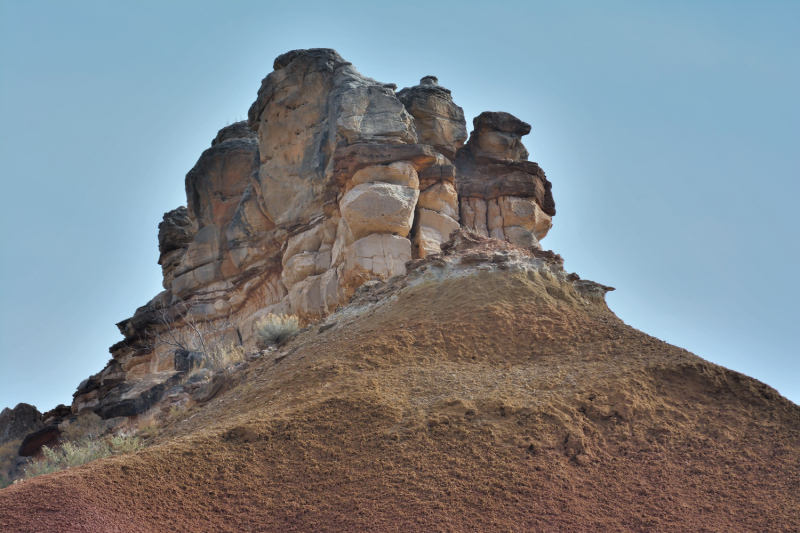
(17, 422)
(503, 195)
(334, 180)
(450, 375)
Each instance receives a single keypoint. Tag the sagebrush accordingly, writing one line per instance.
(275, 329)
(72, 454)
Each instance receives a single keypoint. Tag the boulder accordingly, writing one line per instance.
(437, 221)
(379, 208)
(372, 113)
(347, 160)
(438, 121)
(473, 215)
(17, 422)
(306, 241)
(33, 442)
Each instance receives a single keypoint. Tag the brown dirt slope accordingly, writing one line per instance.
(497, 400)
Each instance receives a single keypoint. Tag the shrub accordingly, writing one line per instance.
(276, 329)
(75, 454)
(87, 426)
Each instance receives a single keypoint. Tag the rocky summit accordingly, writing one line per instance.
(334, 181)
(445, 372)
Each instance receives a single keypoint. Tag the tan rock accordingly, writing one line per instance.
(473, 215)
(205, 249)
(175, 233)
(498, 136)
(305, 298)
(377, 256)
(298, 268)
(494, 218)
(397, 173)
(313, 102)
(521, 237)
(441, 223)
(307, 241)
(437, 119)
(217, 182)
(525, 212)
(429, 241)
(441, 198)
(323, 262)
(329, 228)
(329, 290)
(379, 208)
(373, 114)
(344, 238)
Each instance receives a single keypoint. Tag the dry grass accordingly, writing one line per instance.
(219, 357)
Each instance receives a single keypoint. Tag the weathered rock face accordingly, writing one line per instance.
(438, 121)
(502, 194)
(17, 422)
(334, 181)
(175, 234)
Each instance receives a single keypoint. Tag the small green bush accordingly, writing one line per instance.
(75, 454)
(275, 329)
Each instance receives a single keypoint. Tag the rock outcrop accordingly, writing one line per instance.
(335, 180)
(17, 422)
(503, 195)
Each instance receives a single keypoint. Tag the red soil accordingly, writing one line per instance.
(496, 402)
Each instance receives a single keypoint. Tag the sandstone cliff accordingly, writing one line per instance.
(336, 179)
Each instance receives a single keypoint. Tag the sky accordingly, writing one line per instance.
(670, 131)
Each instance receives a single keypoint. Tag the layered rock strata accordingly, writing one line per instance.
(334, 180)
(503, 195)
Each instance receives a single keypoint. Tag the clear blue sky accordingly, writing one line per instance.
(670, 132)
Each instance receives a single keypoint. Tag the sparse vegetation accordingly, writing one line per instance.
(75, 454)
(275, 329)
(87, 426)
(216, 340)
(219, 357)
(8, 458)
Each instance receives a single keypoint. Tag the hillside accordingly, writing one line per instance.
(485, 390)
